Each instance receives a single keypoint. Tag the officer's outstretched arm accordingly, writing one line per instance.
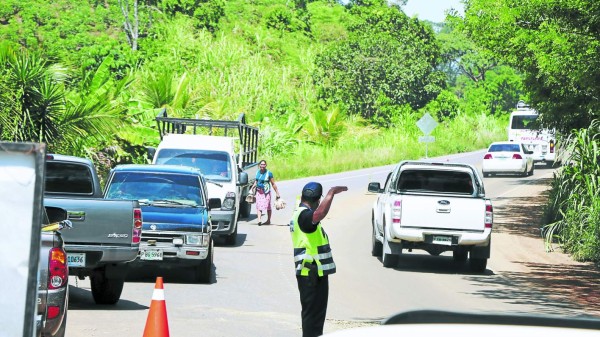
(325, 204)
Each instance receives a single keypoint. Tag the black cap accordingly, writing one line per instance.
(312, 191)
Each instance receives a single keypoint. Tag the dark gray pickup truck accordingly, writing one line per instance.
(106, 234)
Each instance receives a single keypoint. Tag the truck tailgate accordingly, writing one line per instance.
(97, 222)
(443, 212)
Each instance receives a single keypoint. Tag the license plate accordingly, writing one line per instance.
(442, 240)
(76, 259)
(153, 255)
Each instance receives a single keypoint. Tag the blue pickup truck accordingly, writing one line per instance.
(176, 227)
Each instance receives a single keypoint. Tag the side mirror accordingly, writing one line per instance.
(151, 151)
(214, 203)
(242, 179)
(375, 188)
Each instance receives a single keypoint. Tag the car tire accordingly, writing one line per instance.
(204, 269)
(460, 255)
(106, 290)
(525, 172)
(245, 209)
(477, 265)
(231, 239)
(532, 169)
(376, 246)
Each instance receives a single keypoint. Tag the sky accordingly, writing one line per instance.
(432, 10)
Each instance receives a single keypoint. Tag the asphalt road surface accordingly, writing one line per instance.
(254, 291)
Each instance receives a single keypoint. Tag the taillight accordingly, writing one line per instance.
(489, 214)
(551, 146)
(487, 156)
(58, 272)
(397, 211)
(517, 156)
(136, 236)
(52, 312)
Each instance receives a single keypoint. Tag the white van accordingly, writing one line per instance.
(523, 128)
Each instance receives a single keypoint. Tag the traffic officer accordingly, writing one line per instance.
(312, 255)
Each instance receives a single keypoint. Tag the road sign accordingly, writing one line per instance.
(426, 139)
(426, 124)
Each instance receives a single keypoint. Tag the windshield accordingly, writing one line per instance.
(156, 188)
(215, 165)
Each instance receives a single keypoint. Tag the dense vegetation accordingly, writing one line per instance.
(332, 87)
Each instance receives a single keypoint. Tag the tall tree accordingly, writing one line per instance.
(388, 60)
(555, 43)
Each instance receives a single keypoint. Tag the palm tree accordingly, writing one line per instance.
(42, 109)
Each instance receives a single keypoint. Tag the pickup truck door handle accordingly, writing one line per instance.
(443, 209)
(76, 215)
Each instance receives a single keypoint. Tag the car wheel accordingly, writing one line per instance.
(477, 265)
(245, 209)
(203, 271)
(232, 238)
(376, 246)
(525, 172)
(106, 290)
(460, 255)
(532, 168)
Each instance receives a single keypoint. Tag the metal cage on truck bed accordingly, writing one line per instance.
(248, 135)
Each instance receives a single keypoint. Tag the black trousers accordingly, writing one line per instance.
(314, 292)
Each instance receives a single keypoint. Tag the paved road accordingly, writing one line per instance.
(254, 292)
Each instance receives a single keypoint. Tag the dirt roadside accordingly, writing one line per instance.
(524, 261)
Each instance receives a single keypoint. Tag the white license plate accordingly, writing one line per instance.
(442, 240)
(76, 259)
(153, 255)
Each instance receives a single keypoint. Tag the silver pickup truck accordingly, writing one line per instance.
(436, 207)
(53, 279)
(106, 234)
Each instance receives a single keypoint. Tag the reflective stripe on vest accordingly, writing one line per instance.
(311, 248)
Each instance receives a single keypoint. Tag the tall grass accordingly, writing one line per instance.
(363, 147)
(573, 211)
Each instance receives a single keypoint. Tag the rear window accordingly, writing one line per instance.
(524, 122)
(68, 178)
(435, 181)
(505, 148)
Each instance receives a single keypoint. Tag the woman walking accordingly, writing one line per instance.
(264, 183)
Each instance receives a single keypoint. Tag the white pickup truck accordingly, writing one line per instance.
(226, 153)
(436, 207)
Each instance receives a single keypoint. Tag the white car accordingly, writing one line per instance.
(507, 158)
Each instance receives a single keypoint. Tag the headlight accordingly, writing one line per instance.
(198, 240)
(229, 201)
(193, 239)
(178, 241)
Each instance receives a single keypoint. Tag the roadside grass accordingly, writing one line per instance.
(573, 210)
(365, 147)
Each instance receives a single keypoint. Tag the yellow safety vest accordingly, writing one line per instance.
(311, 247)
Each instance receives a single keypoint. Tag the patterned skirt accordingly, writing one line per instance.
(263, 201)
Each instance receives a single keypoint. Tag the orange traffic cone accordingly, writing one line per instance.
(157, 324)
